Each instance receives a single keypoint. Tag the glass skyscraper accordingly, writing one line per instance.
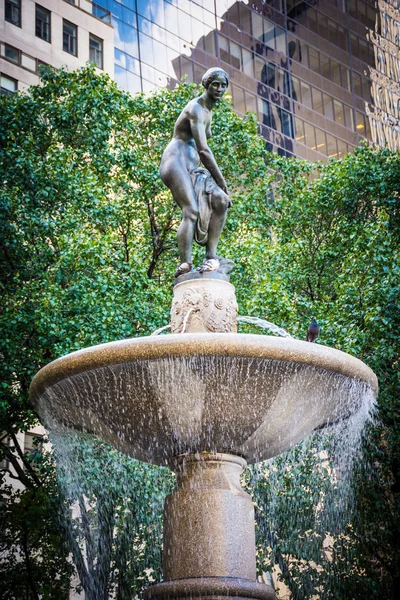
(321, 74)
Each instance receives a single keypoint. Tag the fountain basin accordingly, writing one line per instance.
(247, 395)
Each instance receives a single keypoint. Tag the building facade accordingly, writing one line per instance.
(56, 32)
(322, 75)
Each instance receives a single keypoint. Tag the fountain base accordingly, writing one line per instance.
(210, 588)
(209, 537)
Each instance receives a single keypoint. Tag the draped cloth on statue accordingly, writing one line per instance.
(203, 185)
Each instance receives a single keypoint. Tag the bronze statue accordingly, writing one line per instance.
(200, 192)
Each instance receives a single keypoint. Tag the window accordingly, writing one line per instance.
(11, 53)
(314, 60)
(238, 99)
(70, 37)
(320, 141)
(360, 123)
(299, 126)
(43, 17)
(8, 85)
(339, 112)
(336, 73)
(12, 12)
(96, 50)
(251, 102)
(328, 106)
(317, 100)
(309, 135)
(331, 145)
(306, 94)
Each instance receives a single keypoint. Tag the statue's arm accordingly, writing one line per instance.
(198, 129)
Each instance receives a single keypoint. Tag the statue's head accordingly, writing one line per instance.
(213, 74)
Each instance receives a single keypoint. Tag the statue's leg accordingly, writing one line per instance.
(220, 203)
(176, 177)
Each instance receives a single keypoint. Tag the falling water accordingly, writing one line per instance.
(111, 515)
(271, 327)
(250, 406)
(256, 321)
(306, 505)
(161, 329)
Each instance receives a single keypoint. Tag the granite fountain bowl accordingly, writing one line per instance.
(156, 398)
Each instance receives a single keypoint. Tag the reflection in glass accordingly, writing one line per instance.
(339, 112)
(348, 114)
(238, 99)
(235, 55)
(360, 122)
(331, 145)
(171, 18)
(325, 66)
(342, 148)
(186, 69)
(328, 105)
(299, 130)
(314, 59)
(245, 18)
(126, 38)
(336, 75)
(306, 94)
(309, 135)
(251, 102)
(317, 100)
(320, 140)
(247, 62)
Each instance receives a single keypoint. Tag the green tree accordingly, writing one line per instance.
(87, 251)
(335, 254)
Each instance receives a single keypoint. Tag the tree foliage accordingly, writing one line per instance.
(87, 250)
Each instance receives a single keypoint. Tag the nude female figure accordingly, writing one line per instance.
(201, 193)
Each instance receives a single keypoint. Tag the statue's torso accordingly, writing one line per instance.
(183, 146)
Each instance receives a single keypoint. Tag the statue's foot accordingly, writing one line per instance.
(183, 269)
(210, 264)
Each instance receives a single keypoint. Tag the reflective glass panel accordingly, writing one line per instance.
(238, 99)
(342, 148)
(306, 94)
(331, 145)
(320, 141)
(309, 134)
(339, 112)
(317, 100)
(299, 125)
(314, 59)
(328, 106)
(247, 62)
(336, 73)
(251, 102)
(348, 115)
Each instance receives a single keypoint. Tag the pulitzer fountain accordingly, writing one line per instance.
(204, 400)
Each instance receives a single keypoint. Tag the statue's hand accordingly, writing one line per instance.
(222, 185)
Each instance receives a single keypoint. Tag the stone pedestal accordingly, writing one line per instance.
(204, 303)
(209, 538)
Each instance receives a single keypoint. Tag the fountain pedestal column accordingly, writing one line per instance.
(209, 538)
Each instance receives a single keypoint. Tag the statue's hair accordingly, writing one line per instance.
(211, 74)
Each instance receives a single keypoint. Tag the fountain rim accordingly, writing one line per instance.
(201, 344)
